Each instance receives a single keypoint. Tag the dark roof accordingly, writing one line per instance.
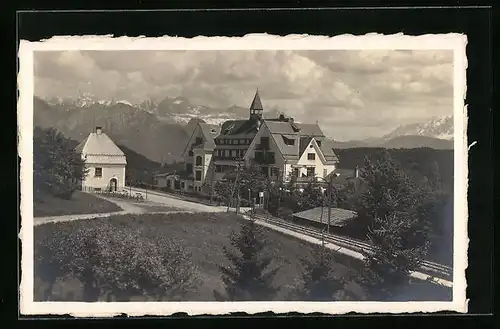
(339, 217)
(256, 103)
(239, 128)
(308, 129)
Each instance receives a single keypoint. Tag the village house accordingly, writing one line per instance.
(283, 148)
(104, 161)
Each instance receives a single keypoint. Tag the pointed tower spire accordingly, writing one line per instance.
(256, 108)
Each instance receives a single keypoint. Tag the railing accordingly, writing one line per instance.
(233, 158)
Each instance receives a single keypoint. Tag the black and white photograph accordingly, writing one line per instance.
(305, 174)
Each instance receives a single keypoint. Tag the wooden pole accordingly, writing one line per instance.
(329, 204)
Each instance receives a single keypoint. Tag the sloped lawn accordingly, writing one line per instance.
(202, 235)
(81, 203)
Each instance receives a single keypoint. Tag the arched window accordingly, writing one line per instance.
(198, 160)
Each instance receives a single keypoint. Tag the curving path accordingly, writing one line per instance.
(154, 200)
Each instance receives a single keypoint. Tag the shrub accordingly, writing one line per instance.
(115, 261)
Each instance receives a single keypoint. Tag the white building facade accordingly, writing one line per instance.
(104, 161)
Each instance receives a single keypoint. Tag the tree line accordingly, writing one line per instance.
(57, 167)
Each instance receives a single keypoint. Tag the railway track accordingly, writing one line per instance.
(436, 269)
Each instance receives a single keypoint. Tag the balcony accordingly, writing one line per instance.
(230, 158)
(264, 159)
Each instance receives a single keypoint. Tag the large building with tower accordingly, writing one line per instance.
(281, 148)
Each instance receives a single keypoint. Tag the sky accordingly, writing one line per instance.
(352, 94)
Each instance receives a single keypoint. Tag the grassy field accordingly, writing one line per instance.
(204, 235)
(80, 203)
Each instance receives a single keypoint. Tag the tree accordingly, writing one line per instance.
(223, 190)
(385, 181)
(319, 280)
(399, 249)
(399, 237)
(310, 196)
(57, 166)
(248, 276)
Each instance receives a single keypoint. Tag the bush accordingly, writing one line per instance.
(114, 261)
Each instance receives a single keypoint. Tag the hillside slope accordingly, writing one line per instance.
(136, 129)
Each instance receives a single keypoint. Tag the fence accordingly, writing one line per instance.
(123, 194)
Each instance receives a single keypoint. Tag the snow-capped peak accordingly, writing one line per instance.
(437, 127)
(124, 102)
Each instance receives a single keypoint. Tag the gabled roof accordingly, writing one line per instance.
(281, 130)
(304, 141)
(209, 133)
(99, 144)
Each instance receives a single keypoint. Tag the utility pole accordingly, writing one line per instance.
(235, 185)
(329, 204)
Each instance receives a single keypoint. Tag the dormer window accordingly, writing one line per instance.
(319, 143)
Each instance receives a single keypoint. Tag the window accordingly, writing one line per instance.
(274, 172)
(183, 185)
(189, 167)
(199, 160)
(264, 143)
(190, 153)
(259, 156)
(198, 140)
(288, 141)
(242, 153)
(198, 175)
(270, 157)
(169, 183)
(218, 168)
(311, 156)
(295, 172)
(98, 172)
(265, 171)
(234, 153)
(324, 173)
(310, 171)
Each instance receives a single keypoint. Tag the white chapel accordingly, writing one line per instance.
(105, 163)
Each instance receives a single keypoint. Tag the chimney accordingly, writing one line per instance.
(98, 130)
(282, 117)
(356, 172)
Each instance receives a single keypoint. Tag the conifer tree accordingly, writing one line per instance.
(248, 276)
(399, 236)
(319, 280)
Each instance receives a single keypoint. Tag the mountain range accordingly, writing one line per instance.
(437, 133)
(157, 130)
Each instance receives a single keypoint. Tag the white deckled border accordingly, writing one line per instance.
(372, 41)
